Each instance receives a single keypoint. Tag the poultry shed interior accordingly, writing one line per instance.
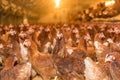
(59, 40)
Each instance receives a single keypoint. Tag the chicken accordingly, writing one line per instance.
(9, 62)
(99, 47)
(82, 45)
(11, 47)
(19, 72)
(70, 67)
(13, 71)
(23, 49)
(67, 33)
(41, 63)
(13, 44)
(75, 36)
(4, 37)
(48, 47)
(35, 37)
(59, 49)
(90, 50)
(114, 64)
(115, 47)
(93, 71)
(44, 37)
(24, 52)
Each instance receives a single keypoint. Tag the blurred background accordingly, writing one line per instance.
(57, 11)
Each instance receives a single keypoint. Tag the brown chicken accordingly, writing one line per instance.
(9, 62)
(11, 47)
(114, 64)
(69, 67)
(115, 47)
(13, 44)
(82, 45)
(99, 47)
(41, 63)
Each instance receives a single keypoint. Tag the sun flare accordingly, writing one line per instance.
(57, 2)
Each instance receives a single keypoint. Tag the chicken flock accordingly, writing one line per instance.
(77, 51)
